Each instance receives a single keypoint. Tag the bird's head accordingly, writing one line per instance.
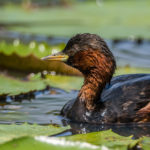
(87, 53)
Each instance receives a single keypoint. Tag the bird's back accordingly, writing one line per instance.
(127, 99)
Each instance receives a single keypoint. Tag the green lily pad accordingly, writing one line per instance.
(10, 132)
(104, 140)
(27, 58)
(33, 144)
(145, 143)
(65, 82)
(31, 63)
(37, 49)
(131, 70)
(11, 86)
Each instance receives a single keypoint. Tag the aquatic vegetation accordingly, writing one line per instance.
(104, 19)
(38, 137)
(24, 77)
(11, 86)
(23, 72)
(10, 132)
(22, 61)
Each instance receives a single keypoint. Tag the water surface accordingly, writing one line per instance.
(45, 108)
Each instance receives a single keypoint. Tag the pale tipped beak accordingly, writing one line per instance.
(56, 57)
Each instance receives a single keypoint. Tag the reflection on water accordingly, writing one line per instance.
(45, 107)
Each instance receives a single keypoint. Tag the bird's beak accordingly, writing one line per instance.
(57, 57)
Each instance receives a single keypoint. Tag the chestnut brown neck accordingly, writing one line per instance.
(95, 81)
(91, 91)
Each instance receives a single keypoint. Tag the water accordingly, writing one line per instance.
(45, 108)
(132, 54)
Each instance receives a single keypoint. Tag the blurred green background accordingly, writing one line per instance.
(108, 18)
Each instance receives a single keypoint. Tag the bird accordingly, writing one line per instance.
(103, 99)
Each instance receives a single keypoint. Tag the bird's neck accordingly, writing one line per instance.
(91, 90)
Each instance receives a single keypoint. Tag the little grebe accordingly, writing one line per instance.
(126, 99)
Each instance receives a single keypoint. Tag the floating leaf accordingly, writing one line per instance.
(11, 86)
(131, 70)
(37, 49)
(65, 82)
(104, 140)
(9, 132)
(145, 143)
(31, 63)
(55, 144)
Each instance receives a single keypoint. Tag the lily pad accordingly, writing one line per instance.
(27, 58)
(31, 63)
(33, 144)
(65, 82)
(103, 140)
(131, 70)
(10, 132)
(37, 49)
(106, 138)
(145, 143)
(11, 86)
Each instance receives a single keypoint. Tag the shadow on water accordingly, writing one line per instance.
(44, 109)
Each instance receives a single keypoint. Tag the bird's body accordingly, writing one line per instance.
(125, 99)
